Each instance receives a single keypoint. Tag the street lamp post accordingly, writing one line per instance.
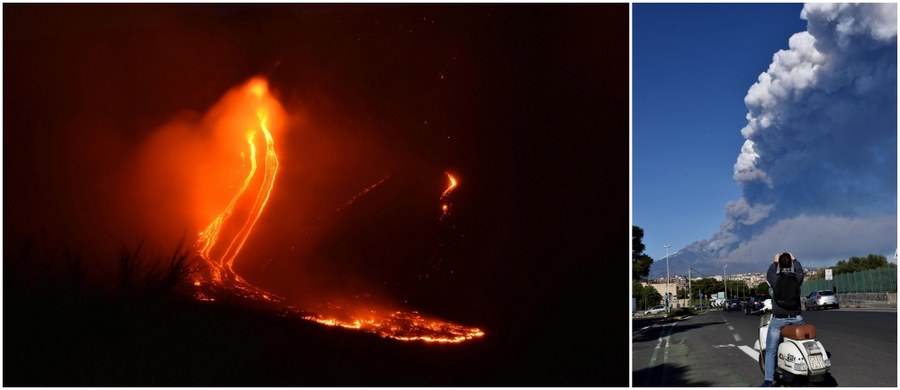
(690, 297)
(668, 297)
(725, 278)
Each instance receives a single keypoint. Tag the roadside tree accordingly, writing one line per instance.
(640, 262)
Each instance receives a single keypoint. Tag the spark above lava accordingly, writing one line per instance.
(250, 125)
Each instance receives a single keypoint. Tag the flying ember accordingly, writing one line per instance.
(248, 127)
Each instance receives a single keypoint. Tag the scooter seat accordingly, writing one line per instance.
(799, 332)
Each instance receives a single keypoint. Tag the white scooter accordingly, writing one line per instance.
(800, 356)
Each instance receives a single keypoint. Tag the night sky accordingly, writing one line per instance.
(526, 104)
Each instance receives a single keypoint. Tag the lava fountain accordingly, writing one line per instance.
(249, 126)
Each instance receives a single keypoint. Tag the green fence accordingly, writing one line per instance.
(876, 280)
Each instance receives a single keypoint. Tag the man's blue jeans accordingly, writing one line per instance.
(773, 338)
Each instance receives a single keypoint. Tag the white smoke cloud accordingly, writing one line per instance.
(818, 167)
(745, 213)
(745, 168)
(845, 21)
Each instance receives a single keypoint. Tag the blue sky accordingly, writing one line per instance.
(763, 128)
(692, 66)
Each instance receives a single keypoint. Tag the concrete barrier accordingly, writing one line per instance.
(868, 299)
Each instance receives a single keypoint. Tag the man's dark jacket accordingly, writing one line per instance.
(772, 277)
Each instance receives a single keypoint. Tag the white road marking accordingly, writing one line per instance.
(656, 351)
(666, 354)
(666, 336)
(750, 351)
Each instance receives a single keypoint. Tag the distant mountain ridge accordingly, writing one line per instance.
(702, 262)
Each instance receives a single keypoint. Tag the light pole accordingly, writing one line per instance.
(690, 297)
(725, 278)
(668, 298)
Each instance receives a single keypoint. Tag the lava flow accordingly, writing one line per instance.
(222, 261)
(445, 206)
(400, 325)
(221, 241)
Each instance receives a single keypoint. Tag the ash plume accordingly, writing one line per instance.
(818, 167)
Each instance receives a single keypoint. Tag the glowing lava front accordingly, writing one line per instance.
(445, 204)
(222, 239)
(399, 325)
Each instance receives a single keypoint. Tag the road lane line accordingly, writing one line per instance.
(652, 362)
(655, 351)
(737, 337)
(666, 354)
(750, 351)
(659, 345)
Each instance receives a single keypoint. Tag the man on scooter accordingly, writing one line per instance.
(783, 314)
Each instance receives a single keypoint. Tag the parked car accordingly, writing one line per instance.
(656, 310)
(821, 299)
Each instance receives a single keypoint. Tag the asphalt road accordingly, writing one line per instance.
(716, 349)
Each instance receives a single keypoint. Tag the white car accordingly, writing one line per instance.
(821, 299)
(656, 310)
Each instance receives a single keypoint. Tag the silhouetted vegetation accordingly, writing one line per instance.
(640, 262)
(137, 325)
(141, 277)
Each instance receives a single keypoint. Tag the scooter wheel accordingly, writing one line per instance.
(762, 361)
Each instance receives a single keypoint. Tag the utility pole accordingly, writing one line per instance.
(690, 297)
(725, 279)
(668, 297)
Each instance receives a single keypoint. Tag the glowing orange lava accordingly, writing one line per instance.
(445, 205)
(404, 326)
(211, 239)
(363, 192)
(223, 238)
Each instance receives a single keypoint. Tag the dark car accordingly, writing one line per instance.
(821, 299)
(732, 305)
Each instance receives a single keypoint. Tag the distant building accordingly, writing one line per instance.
(673, 287)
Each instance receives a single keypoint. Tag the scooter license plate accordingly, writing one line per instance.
(816, 362)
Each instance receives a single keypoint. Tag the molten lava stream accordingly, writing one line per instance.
(221, 241)
(396, 324)
(445, 204)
